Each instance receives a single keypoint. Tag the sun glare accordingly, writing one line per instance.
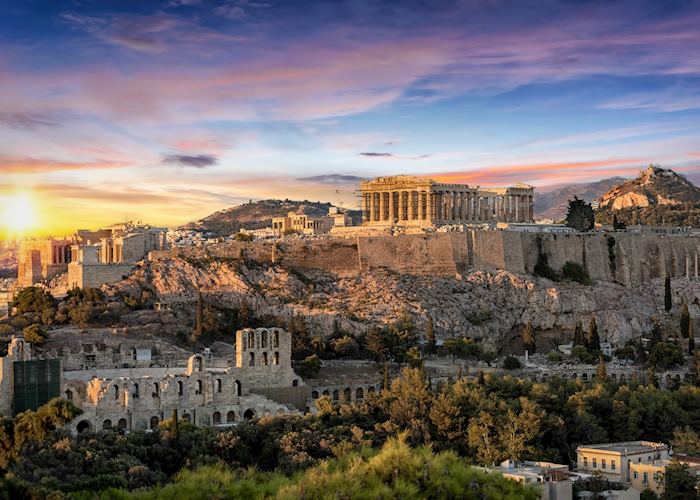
(18, 214)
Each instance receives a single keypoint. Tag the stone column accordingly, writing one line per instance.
(411, 206)
(516, 198)
(421, 208)
(531, 199)
(382, 205)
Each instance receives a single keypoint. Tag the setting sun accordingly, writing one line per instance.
(19, 213)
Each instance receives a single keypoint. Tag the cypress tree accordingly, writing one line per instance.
(655, 335)
(593, 340)
(685, 321)
(430, 335)
(691, 338)
(578, 334)
(199, 313)
(601, 373)
(667, 294)
(529, 338)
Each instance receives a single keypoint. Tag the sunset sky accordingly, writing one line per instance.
(167, 111)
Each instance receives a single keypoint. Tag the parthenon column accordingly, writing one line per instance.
(421, 207)
(517, 207)
(382, 205)
(411, 206)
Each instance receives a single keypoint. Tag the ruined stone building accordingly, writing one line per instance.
(299, 222)
(258, 381)
(414, 201)
(91, 258)
(43, 259)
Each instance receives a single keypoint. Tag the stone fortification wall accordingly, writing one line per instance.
(95, 275)
(626, 258)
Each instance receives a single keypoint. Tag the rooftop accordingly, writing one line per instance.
(625, 446)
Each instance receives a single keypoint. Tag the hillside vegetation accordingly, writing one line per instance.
(256, 215)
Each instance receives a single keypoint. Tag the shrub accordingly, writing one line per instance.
(512, 363)
(573, 271)
(34, 335)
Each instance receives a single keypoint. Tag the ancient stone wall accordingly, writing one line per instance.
(94, 275)
(626, 258)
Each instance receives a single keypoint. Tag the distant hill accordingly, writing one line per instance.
(8, 259)
(552, 203)
(256, 215)
(656, 196)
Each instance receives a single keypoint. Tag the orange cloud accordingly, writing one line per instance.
(36, 165)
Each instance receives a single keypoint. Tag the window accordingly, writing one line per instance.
(636, 475)
(251, 362)
(656, 477)
(585, 461)
(136, 390)
(199, 387)
(612, 464)
(602, 463)
(218, 385)
(595, 462)
(116, 392)
(251, 340)
(179, 388)
(645, 480)
(264, 359)
(238, 388)
(156, 390)
(264, 340)
(276, 339)
(276, 359)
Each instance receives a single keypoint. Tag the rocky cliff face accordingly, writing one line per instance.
(488, 305)
(656, 196)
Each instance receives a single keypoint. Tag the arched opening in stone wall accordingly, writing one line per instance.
(219, 385)
(276, 358)
(199, 387)
(264, 359)
(263, 342)
(347, 394)
(106, 425)
(370, 389)
(251, 360)
(335, 395)
(230, 417)
(239, 389)
(121, 424)
(295, 382)
(186, 416)
(116, 392)
(69, 395)
(216, 418)
(280, 412)
(156, 390)
(136, 390)
(326, 393)
(251, 340)
(249, 414)
(359, 393)
(179, 388)
(154, 422)
(83, 426)
(198, 364)
(276, 339)
(314, 394)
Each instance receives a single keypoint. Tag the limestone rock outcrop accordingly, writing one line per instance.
(488, 305)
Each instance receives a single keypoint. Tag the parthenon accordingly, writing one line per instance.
(415, 201)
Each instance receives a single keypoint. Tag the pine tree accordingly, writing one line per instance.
(430, 336)
(601, 373)
(685, 321)
(667, 294)
(592, 339)
(529, 338)
(578, 334)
